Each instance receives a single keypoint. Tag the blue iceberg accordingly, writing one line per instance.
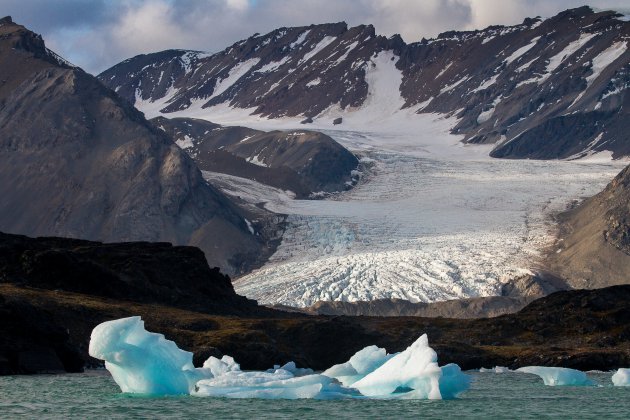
(557, 376)
(147, 363)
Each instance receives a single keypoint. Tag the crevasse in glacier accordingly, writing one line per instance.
(147, 363)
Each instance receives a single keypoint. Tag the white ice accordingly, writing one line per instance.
(496, 369)
(556, 376)
(142, 362)
(621, 377)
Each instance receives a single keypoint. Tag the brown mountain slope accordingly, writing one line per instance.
(593, 249)
(78, 161)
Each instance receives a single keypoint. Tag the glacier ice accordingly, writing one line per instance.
(143, 362)
(553, 376)
(621, 377)
(147, 363)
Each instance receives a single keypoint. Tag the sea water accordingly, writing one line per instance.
(492, 395)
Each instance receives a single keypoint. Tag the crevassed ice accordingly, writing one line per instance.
(147, 363)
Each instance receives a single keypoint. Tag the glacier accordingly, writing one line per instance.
(621, 377)
(557, 376)
(143, 362)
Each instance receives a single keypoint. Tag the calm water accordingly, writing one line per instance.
(508, 395)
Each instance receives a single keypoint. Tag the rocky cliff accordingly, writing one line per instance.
(78, 161)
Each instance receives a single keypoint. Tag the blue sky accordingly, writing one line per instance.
(96, 34)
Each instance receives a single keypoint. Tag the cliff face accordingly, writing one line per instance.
(77, 161)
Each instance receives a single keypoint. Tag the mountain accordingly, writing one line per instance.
(544, 89)
(78, 161)
(593, 246)
(305, 162)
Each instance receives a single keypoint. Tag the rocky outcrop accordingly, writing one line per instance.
(37, 336)
(147, 272)
(305, 162)
(544, 89)
(77, 161)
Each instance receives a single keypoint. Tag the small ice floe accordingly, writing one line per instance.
(557, 376)
(621, 377)
(147, 363)
(496, 369)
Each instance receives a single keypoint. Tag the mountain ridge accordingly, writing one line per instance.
(506, 85)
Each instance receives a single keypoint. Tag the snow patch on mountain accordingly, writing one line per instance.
(238, 71)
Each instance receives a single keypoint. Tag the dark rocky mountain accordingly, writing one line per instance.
(46, 319)
(305, 162)
(78, 161)
(544, 89)
(593, 246)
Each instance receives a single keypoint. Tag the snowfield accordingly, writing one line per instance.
(432, 219)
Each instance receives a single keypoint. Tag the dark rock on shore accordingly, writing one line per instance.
(147, 272)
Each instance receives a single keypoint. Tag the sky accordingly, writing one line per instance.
(96, 34)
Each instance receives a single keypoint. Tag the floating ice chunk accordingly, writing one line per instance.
(553, 376)
(621, 377)
(414, 370)
(496, 369)
(277, 384)
(143, 362)
(292, 368)
(363, 362)
(147, 363)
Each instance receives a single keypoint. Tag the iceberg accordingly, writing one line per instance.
(147, 363)
(496, 369)
(554, 376)
(143, 362)
(621, 377)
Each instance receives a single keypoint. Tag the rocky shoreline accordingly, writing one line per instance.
(45, 327)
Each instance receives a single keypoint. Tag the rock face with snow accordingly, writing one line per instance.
(80, 162)
(302, 161)
(542, 89)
